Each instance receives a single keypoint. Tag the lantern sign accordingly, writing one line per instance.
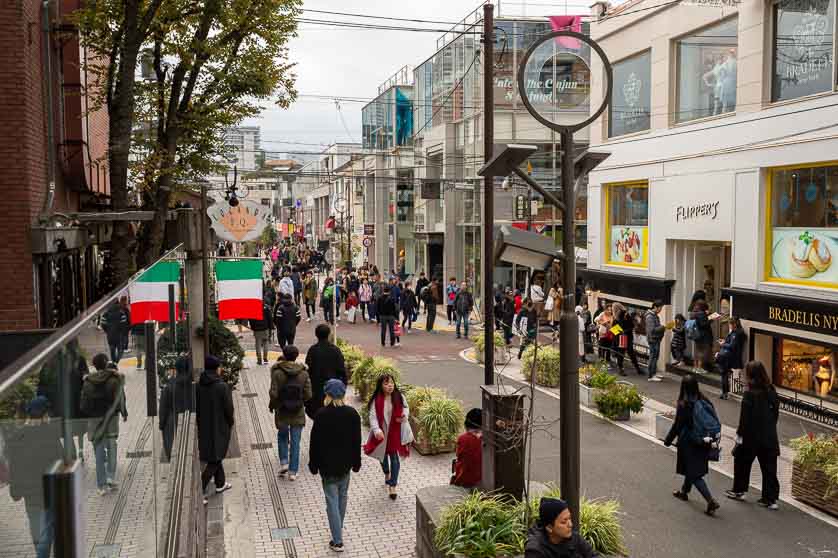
(242, 223)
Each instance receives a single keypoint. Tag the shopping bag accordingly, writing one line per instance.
(397, 329)
(622, 341)
(548, 304)
(350, 314)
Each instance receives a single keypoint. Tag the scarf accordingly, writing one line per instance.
(393, 436)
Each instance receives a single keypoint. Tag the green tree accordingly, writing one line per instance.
(213, 63)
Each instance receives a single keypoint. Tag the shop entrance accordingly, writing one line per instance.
(435, 260)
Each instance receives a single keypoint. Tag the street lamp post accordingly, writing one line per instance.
(565, 110)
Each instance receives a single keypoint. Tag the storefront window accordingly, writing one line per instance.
(803, 45)
(803, 217)
(628, 219)
(707, 72)
(805, 367)
(631, 104)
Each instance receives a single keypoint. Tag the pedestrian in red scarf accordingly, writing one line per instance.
(390, 432)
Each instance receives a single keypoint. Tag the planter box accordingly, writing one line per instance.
(422, 445)
(663, 424)
(587, 395)
(810, 487)
(625, 415)
(502, 355)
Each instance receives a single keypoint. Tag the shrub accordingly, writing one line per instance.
(419, 396)
(819, 453)
(547, 365)
(596, 376)
(223, 344)
(19, 395)
(352, 356)
(618, 398)
(480, 343)
(368, 372)
(441, 420)
(487, 525)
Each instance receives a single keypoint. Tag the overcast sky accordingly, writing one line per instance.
(353, 63)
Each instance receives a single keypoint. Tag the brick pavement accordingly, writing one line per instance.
(251, 513)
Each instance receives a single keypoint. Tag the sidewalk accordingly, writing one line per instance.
(660, 397)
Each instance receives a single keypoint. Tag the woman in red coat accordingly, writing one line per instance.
(390, 433)
(468, 467)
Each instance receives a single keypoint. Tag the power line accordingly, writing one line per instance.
(367, 16)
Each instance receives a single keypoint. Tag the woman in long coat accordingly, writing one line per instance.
(692, 459)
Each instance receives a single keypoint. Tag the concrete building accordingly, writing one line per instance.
(53, 149)
(722, 176)
(245, 145)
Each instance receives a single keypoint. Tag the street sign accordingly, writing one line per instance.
(367, 242)
(520, 207)
(369, 230)
(299, 204)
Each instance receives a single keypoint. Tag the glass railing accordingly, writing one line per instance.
(88, 421)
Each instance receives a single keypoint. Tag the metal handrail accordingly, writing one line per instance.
(35, 357)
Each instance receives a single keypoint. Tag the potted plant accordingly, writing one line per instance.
(663, 424)
(501, 352)
(593, 378)
(546, 363)
(485, 525)
(619, 401)
(352, 356)
(814, 478)
(435, 418)
(368, 371)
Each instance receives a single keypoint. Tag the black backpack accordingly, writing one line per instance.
(99, 402)
(291, 394)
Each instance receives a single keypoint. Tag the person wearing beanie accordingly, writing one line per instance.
(290, 389)
(553, 535)
(334, 450)
(468, 466)
(175, 398)
(216, 416)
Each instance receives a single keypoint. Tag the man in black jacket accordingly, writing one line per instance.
(215, 423)
(421, 283)
(115, 324)
(286, 317)
(261, 331)
(553, 536)
(334, 449)
(325, 362)
(507, 315)
(387, 311)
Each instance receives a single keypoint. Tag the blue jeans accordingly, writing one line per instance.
(116, 352)
(391, 465)
(700, 485)
(105, 461)
(654, 353)
(464, 320)
(282, 438)
(40, 526)
(336, 490)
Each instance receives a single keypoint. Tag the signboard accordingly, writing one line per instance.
(367, 242)
(431, 191)
(520, 207)
(287, 202)
(242, 223)
(369, 229)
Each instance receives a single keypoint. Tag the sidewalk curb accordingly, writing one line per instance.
(790, 501)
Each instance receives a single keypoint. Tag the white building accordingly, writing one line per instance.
(244, 142)
(723, 134)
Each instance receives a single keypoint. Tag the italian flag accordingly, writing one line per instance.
(239, 286)
(150, 293)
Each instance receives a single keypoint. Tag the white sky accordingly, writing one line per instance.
(353, 63)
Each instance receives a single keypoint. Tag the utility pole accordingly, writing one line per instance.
(488, 195)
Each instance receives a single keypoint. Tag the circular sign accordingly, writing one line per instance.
(554, 80)
(367, 242)
(241, 223)
(340, 205)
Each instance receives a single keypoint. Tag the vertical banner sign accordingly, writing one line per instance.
(150, 293)
(239, 285)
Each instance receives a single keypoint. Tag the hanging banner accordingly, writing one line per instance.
(242, 223)
(239, 285)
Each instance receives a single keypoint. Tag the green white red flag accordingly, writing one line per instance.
(149, 294)
(239, 287)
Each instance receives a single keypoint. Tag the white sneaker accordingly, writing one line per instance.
(308, 319)
(283, 470)
(101, 491)
(224, 488)
(654, 379)
(398, 344)
(292, 476)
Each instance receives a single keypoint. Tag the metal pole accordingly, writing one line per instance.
(569, 380)
(488, 196)
(205, 266)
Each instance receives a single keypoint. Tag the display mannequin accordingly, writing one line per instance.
(825, 377)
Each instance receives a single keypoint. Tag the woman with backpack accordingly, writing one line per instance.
(290, 389)
(390, 432)
(756, 437)
(698, 431)
(699, 330)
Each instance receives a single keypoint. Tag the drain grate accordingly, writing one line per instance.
(261, 446)
(285, 533)
(106, 551)
(138, 454)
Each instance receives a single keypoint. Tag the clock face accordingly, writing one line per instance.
(340, 205)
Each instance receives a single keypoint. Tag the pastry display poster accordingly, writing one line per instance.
(629, 245)
(805, 254)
